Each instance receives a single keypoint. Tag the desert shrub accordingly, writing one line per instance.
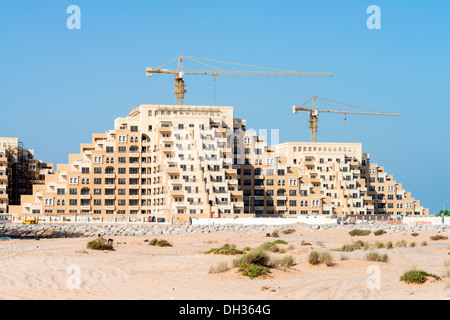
(286, 261)
(256, 256)
(389, 245)
(359, 232)
(100, 244)
(290, 247)
(417, 276)
(379, 245)
(412, 244)
(282, 250)
(304, 243)
(269, 246)
(327, 258)
(221, 267)
(280, 242)
(288, 231)
(438, 237)
(379, 232)
(247, 249)
(160, 243)
(414, 234)
(375, 256)
(423, 243)
(254, 263)
(275, 234)
(226, 249)
(253, 270)
(401, 244)
(313, 257)
(352, 246)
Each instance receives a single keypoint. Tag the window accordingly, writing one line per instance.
(292, 193)
(109, 149)
(97, 170)
(134, 128)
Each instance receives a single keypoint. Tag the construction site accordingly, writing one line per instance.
(175, 163)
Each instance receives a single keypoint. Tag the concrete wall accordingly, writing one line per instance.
(265, 221)
(426, 220)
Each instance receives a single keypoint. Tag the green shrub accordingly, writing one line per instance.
(153, 242)
(253, 270)
(359, 232)
(412, 244)
(100, 244)
(279, 242)
(438, 237)
(389, 245)
(379, 232)
(304, 243)
(375, 256)
(417, 276)
(423, 243)
(414, 234)
(226, 249)
(256, 256)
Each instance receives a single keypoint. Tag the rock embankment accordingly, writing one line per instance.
(20, 231)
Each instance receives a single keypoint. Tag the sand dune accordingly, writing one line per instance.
(64, 269)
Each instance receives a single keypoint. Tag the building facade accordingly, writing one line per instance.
(171, 163)
(19, 171)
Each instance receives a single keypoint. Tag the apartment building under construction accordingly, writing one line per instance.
(19, 171)
(171, 163)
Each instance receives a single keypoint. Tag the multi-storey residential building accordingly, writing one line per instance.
(19, 171)
(172, 163)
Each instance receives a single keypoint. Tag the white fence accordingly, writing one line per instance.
(426, 220)
(264, 221)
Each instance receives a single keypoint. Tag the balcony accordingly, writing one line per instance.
(85, 207)
(110, 175)
(134, 207)
(134, 154)
(110, 197)
(134, 165)
(134, 197)
(281, 208)
(261, 187)
(109, 207)
(259, 177)
(281, 198)
(134, 176)
(239, 204)
(86, 196)
(110, 186)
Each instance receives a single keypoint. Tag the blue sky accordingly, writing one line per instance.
(59, 86)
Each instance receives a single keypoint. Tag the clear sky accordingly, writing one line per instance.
(58, 86)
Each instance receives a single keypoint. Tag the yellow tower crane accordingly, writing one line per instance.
(180, 73)
(314, 113)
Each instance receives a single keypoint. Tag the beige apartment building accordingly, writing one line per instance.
(171, 163)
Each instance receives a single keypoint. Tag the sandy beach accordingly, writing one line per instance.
(65, 269)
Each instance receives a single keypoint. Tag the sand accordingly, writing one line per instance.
(64, 269)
